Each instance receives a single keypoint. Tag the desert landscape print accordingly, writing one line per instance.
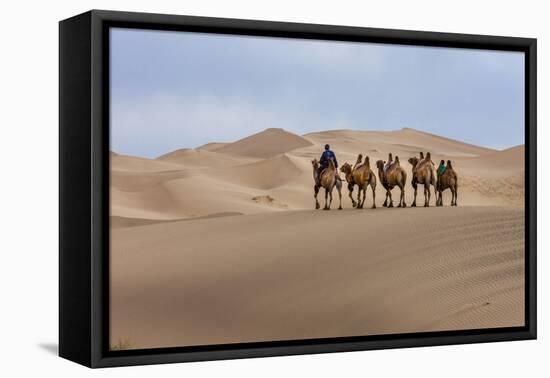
(215, 234)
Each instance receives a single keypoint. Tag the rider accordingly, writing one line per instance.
(388, 164)
(325, 157)
(440, 170)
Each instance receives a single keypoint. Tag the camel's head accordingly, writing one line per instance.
(315, 163)
(380, 164)
(346, 168)
(413, 161)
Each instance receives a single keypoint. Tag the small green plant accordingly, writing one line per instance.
(121, 345)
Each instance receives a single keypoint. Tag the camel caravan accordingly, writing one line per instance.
(390, 174)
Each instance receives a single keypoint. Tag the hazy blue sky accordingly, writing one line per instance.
(172, 90)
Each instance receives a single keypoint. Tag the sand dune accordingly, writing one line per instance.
(404, 140)
(498, 163)
(265, 144)
(266, 174)
(124, 163)
(123, 222)
(211, 146)
(198, 158)
(311, 274)
(224, 177)
(186, 197)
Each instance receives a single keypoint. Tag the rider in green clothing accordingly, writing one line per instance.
(440, 171)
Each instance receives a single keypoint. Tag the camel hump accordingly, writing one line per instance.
(449, 165)
(428, 156)
(367, 161)
(397, 160)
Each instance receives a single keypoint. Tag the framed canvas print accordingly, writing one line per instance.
(235, 188)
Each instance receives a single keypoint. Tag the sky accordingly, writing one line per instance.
(172, 90)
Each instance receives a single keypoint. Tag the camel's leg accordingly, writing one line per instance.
(385, 204)
(364, 190)
(456, 195)
(453, 200)
(339, 188)
(350, 189)
(326, 199)
(391, 199)
(330, 196)
(402, 197)
(373, 187)
(316, 190)
(439, 201)
(427, 195)
(359, 201)
(415, 186)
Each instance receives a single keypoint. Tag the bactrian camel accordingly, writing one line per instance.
(362, 176)
(395, 176)
(423, 173)
(327, 179)
(348, 172)
(448, 180)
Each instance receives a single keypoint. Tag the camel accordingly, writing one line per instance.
(328, 180)
(348, 172)
(395, 176)
(448, 180)
(362, 176)
(423, 173)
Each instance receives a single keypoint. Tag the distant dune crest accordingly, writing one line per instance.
(265, 144)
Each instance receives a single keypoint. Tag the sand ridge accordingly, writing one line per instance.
(264, 144)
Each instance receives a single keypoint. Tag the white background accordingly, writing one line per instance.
(29, 186)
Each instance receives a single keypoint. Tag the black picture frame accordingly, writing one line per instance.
(84, 187)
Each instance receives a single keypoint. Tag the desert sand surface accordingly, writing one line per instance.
(307, 274)
(221, 243)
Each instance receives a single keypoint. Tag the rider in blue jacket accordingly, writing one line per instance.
(327, 154)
